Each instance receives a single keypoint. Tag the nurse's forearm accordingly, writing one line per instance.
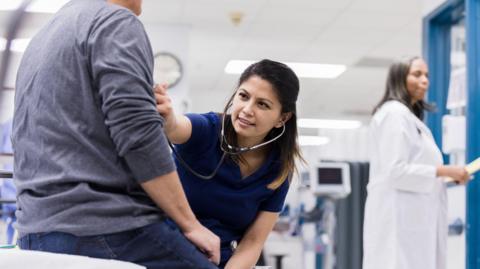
(245, 256)
(181, 131)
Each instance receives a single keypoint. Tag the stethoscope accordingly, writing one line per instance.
(226, 148)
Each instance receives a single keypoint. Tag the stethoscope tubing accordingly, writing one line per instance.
(229, 149)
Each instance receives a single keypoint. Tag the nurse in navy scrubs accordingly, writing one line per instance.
(236, 166)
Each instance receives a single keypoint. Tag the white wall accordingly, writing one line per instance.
(15, 59)
(173, 39)
(345, 145)
(430, 5)
(6, 105)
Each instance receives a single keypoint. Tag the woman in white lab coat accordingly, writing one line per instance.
(406, 210)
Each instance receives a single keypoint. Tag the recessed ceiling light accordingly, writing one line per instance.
(37, 6)
(306, 140)
(9, 5)
(328, 124)
(303, 70)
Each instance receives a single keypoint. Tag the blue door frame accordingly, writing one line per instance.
(436, 48)
(473, 133)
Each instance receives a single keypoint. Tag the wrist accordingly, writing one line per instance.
(189, 225)
(170, 125)
(441, 171)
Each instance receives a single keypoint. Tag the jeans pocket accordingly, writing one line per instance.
(102, 244)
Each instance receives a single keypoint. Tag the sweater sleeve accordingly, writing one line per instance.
(121, 62)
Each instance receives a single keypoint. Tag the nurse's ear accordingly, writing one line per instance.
(283, 119)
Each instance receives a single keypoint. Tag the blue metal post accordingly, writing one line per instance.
(437, 54)
(473, 131)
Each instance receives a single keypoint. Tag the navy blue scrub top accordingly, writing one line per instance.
(226, 204)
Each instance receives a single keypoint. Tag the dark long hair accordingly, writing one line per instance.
(286, 86)
(396, 88)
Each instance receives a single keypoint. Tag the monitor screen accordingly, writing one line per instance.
(330, 175)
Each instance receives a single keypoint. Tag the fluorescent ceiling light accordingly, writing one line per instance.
(328, 124)
(305, 140)
(18, 45)
(37, 6)
(303, 70)
(9, 4)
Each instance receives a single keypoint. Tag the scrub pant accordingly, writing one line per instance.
(154, 246)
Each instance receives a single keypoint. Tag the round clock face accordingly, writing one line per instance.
(167, 69)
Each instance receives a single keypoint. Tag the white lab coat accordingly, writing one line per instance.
(405, 223)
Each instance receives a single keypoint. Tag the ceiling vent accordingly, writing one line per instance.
(374, 62)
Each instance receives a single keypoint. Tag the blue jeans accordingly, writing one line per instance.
(154, 246)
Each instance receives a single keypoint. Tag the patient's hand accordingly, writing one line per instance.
(206, 241)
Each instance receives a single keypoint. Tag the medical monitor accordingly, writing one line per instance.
(330, 179)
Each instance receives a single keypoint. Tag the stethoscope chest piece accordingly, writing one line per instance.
(233, 245)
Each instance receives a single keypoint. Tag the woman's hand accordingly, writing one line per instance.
(164, 107)
(178, 128)
(458, 173)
